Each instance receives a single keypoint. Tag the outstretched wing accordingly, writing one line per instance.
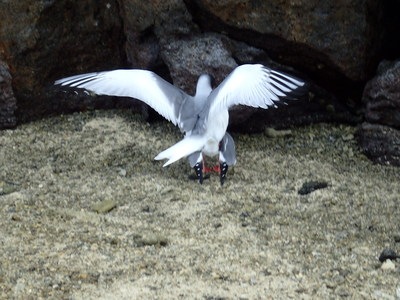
(143, 85)
(253, 85)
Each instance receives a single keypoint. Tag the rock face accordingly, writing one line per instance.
(43, 40)
(177, 34)
(7, 99)
(380, 134)
(326, 35)
(334, 45)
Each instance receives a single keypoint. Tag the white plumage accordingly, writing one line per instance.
(203, 117)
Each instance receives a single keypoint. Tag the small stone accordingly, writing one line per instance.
(152, 240)
(114, 241)
(122, 172)
(217, 225)
(388, 254)
(6, 188)
(105, 206)
(388, 265)
(311, 186)
(16, 218)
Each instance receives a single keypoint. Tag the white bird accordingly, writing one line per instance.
(203, 118)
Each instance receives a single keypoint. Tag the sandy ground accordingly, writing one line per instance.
(171, 238)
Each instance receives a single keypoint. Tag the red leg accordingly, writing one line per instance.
(216, 169)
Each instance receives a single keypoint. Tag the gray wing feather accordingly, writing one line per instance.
(228, 149)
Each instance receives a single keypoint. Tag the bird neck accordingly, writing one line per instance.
(203, 87)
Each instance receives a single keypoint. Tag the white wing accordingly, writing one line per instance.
(252, 85)
(144, 85)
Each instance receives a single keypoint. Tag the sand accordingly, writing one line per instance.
(168, 237)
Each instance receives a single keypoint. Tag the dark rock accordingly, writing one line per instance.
(379, 136)
(324, 36)
(53, 39)
(311, 186)
(380, 143)
(148, 25)
(8, 103)
(388, 254)
(218, 55)
(191, 57)
(382, 95)
(16, 218)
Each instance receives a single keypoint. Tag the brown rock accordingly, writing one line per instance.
(334, 43)
(316, 35)
(44, 40)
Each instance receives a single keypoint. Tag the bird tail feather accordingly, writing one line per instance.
(181, 149)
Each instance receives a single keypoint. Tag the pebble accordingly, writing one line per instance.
(152, 240)
(6, 188)
(388, 254)
(311, 186)
(122, 172)
(388, 265)
(16, 218)
(105, 206)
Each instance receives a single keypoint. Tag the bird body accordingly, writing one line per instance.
(204, 117)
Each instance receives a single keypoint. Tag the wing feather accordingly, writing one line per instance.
(143, 85)
(252, 85)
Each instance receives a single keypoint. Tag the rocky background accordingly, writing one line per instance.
(336, 46)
